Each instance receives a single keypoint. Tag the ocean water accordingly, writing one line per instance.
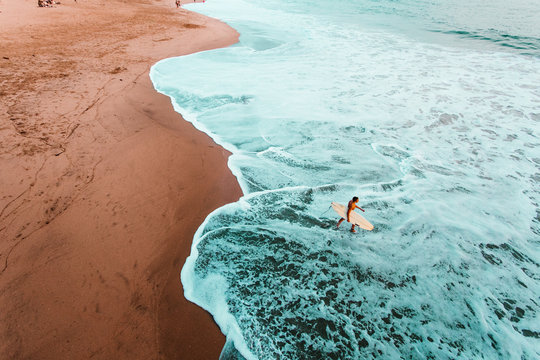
(429, 112)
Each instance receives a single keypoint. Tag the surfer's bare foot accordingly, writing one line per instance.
(352, 230)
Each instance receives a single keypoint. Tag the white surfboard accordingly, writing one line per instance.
(356, 218)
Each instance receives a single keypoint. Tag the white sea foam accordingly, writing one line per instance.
(437, 134)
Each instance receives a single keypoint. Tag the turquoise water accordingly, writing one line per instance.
(429, 112)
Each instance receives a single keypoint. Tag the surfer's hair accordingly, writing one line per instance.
(355, 198)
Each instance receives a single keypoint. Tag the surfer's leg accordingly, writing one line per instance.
(339, 222)
(352, 228)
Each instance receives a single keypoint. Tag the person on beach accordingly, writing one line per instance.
(178, 3)
(350, 207)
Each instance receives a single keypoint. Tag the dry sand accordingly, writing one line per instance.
(102, 184)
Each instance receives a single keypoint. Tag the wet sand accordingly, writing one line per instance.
(102, 184)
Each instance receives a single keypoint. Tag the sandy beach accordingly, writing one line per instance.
(102, 184)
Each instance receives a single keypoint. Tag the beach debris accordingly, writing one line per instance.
(117, 70)
(47, 3)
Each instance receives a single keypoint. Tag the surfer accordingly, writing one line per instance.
(350, 207)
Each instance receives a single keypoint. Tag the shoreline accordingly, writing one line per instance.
(103, 184)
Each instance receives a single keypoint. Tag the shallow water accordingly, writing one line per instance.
(429, 112)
